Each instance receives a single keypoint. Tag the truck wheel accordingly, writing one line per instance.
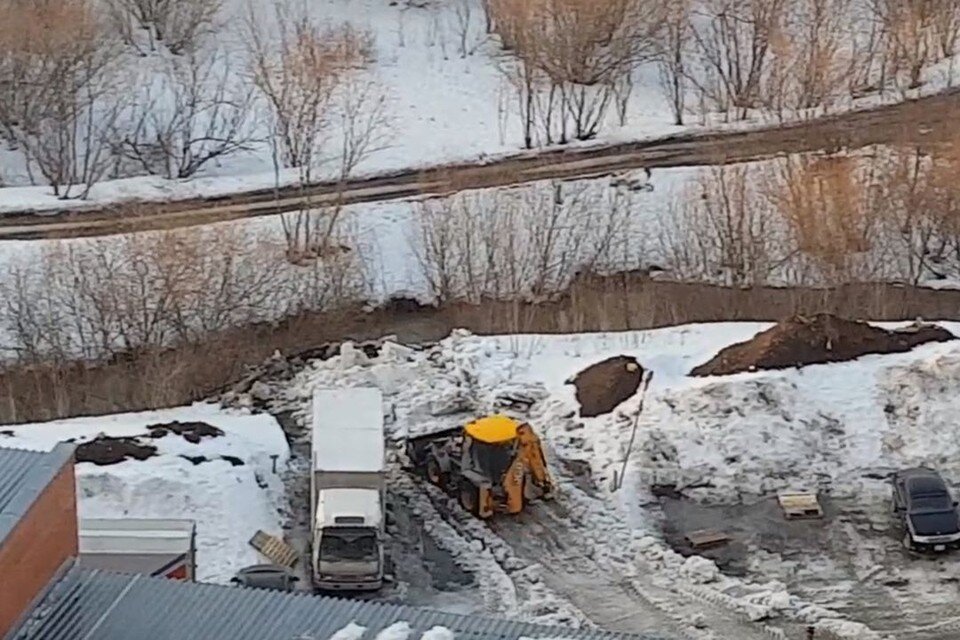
(470, 497)
(435, 474)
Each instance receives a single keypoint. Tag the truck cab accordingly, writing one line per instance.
(348, 549)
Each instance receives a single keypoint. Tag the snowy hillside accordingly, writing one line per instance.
(445, 97)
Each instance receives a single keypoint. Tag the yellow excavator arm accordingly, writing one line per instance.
(530, 453)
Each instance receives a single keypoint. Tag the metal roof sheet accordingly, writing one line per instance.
(24, 475)
(86, 604)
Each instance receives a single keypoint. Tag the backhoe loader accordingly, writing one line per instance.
(493, 464)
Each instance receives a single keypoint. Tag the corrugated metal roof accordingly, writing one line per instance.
(23, 477)
(15, 465)
(87, 604)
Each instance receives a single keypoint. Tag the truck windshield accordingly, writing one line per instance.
(348, 543)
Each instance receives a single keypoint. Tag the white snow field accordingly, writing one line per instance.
(228, 503)
(443, 105)
(734, 440)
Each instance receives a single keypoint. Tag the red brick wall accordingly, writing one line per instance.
(41, 542)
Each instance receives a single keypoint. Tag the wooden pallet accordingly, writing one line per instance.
(275, 549)
(706, 538)
(800, 505)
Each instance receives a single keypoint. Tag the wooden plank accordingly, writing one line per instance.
(274, 549)
(705, 538)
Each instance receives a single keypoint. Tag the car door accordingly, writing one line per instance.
(899, 499)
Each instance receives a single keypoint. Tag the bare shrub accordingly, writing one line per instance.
(827, 201)
(194, 113)
(311, 78)
(92, 299)
(724, 231)
(571, 59)
(811, 64)
(733, 41)
(297, 66)
(916, 33)
(527, 243)
(179, 25)
(59, 90)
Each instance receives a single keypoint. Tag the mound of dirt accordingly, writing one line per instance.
(601, 387)
(800, 341)
(105, 450)
(191, 431)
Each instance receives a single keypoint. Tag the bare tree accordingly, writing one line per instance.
(310, 76)
(912, 35)
(733, 45)
(526, 244)
(723, 231)
(298, 71)
(572, 59)
(463, 24)
(179, 25)
(60, 90)
(196, 113)
(672, 45)
(94, 299)
(827, 203)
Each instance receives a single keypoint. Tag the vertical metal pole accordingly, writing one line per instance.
(647, 375)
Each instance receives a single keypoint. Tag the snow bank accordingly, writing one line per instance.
(228, 503)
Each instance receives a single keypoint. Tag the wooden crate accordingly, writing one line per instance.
(275, 549)
(800, 505)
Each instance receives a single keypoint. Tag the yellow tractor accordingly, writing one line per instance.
(493, 464)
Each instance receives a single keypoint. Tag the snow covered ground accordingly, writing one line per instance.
(228, 503)
(734, 440)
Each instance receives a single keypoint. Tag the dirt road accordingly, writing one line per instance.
(914, 121)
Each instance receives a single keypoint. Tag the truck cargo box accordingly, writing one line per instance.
(348, 431)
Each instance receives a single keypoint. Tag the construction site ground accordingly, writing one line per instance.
(851, 558)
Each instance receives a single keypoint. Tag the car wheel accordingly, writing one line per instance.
(907, 542)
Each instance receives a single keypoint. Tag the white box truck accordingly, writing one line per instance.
(347, 489)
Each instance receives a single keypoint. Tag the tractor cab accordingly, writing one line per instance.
(489, 445)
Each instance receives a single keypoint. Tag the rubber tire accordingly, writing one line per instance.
(470, 497)
(434, 474)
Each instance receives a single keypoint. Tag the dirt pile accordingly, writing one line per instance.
(105, 450)
(191, 431)
(604, 385)
(800, 341)
(233, 460)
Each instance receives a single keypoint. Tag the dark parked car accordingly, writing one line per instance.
(266, 576)
(927, 510)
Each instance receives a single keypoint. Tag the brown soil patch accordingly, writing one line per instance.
(106, 450)
(800, 341)
(191, 431)
(601, 387)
